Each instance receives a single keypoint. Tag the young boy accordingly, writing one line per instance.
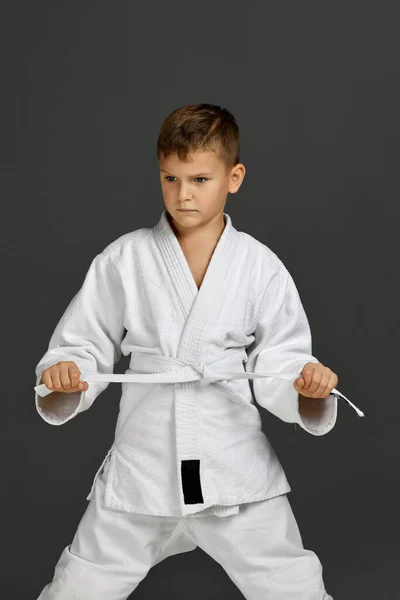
(202, 309)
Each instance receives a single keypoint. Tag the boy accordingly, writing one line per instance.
(202, 309)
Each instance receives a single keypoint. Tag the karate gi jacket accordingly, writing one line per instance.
(188, 438)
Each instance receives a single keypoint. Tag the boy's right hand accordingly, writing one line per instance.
(64, 377)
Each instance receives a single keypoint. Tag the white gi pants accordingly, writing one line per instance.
(260, 549)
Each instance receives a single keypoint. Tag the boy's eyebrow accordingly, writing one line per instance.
(194, 175)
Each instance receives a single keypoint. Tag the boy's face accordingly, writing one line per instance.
(201, 185)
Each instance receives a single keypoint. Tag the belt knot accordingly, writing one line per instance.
(207, 374)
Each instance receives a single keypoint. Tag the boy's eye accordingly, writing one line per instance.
(169, 177)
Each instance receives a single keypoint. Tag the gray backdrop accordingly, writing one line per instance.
(315, 90)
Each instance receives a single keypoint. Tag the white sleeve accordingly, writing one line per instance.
(90, 334)
(283, 343)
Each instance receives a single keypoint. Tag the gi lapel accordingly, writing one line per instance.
(197, 306)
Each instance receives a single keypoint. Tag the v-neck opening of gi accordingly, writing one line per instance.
(182, 258)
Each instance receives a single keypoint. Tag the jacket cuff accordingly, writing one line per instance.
(317, 415)
(58, 407)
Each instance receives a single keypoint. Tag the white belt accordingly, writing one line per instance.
(167, 369)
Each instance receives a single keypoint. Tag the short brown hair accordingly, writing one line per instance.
(200, 127)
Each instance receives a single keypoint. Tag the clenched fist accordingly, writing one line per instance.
(64, 377)
(317, 381)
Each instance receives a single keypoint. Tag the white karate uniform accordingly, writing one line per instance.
(188, 440)
(113, 551)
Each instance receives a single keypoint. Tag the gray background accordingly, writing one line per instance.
(314, 87)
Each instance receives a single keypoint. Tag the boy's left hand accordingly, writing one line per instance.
(317, 382)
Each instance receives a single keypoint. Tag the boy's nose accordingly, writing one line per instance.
(185, 193)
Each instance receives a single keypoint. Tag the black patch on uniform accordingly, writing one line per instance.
(191, 486)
